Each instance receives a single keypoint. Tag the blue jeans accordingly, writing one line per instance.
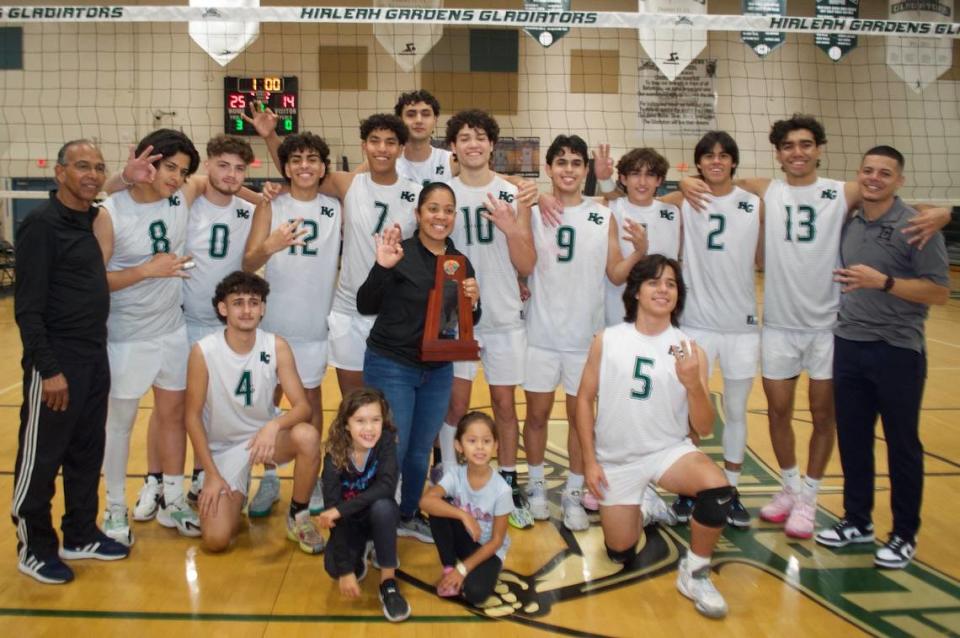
(418, 399)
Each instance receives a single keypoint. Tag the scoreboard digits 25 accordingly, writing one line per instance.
(241, 94)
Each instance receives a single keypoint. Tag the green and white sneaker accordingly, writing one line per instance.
(267, 494)
(301, 530)
(179, 515)
(316, 499)
(520, 517)
(116, 524)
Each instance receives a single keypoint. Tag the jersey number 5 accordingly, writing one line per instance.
(646, 382)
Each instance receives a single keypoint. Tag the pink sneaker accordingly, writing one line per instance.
(589, 501)
(777, 510)
(800, 522)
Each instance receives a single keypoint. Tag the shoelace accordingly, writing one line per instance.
(896, 543)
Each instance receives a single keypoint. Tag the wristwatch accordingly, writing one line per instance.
(888, 284)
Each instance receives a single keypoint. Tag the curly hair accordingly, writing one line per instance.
(384, 122)
(303, 142)
(798, 122)
(241, 283)
(415, 97)
(228, 144)
(339, 442)
(638, 158)
(475, 119)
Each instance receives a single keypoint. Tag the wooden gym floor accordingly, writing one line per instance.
(554, 582)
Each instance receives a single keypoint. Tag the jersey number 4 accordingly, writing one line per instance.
(245, 389)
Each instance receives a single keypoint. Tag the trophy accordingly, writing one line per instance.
(448, 331)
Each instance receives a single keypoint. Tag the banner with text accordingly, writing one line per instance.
(685, 106)
(837, 46)
(673, 49)
(546, 35)
(763, 42)
(918, 61)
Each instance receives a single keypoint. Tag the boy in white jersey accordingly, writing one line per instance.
(141, 232)
(296, 239)
(720, 250)
(580, 255)
(650, 384)
(233, 423)
(421, 162)
(500, 247)
(804, 219)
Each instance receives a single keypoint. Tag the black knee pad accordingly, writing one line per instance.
(713, 505)
(622, 557)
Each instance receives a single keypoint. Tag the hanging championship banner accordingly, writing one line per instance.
(673, 49)
(837, 46)
(686, 106)
(223, 41)
(408, 43)
(920, 61)
(546, 35)
(763, 42)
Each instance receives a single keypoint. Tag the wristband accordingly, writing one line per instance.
(606, 185)
(888, 284)
(461, 569)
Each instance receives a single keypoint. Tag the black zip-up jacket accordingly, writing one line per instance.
(398, 296)
(61, 297)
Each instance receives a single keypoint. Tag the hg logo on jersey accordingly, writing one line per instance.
(173, 200)
(507, 197)
(828, 194)
(746, 206)
(438, 170)
(243, 213)
(595, 218)
(406, 196)
(326, 211)
(666, 214)
(264, 357)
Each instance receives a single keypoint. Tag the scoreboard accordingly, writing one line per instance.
(243, 94)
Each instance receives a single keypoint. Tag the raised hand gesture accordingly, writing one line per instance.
(139, 169)
(285, 235)
(501, 214)
(389, 250)
(602, 162)
(264, 120)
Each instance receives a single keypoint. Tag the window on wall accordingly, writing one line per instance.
(11, 48)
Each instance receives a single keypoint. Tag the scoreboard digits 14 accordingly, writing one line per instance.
(243, 94)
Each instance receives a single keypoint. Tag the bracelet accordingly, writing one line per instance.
(123, 180)
(461, 569)
(607, 185)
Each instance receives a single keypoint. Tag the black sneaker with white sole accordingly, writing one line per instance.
(738, 516)
(102, 547)
(844, 533)
(49, 571)
(896, 553)
(395, 606)
(683, 508)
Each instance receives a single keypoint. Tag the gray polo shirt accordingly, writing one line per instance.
(874, 315)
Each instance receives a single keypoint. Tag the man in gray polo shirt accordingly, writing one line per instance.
(880, 363)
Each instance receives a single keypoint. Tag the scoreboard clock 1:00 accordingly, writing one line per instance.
(243, 94)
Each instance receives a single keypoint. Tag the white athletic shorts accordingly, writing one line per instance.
(197, 331)
(626, 481)
(738, 352)
(135, 366)
(548, 368)
(786, 353)
(347, 337)
(233, 463)
(502, 355)
(311, 360)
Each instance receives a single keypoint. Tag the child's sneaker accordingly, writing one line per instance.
(395, 606)
(148, 500)
(415, 527)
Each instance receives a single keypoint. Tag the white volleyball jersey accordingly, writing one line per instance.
(486, 248)
(565, 308)
(641, 405)
(239, 389)
(436, 168)
(302, 278)
(802, 248)
(719, 253)
(153, 306)
(662, 223)
(216, 238)
(368, 209)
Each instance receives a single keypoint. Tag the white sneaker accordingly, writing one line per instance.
(148, 501)
(697, 587)
(537, 499)
(316, 499)
(181, 516)
(655, 510)
(116, 525)
(574, 516)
